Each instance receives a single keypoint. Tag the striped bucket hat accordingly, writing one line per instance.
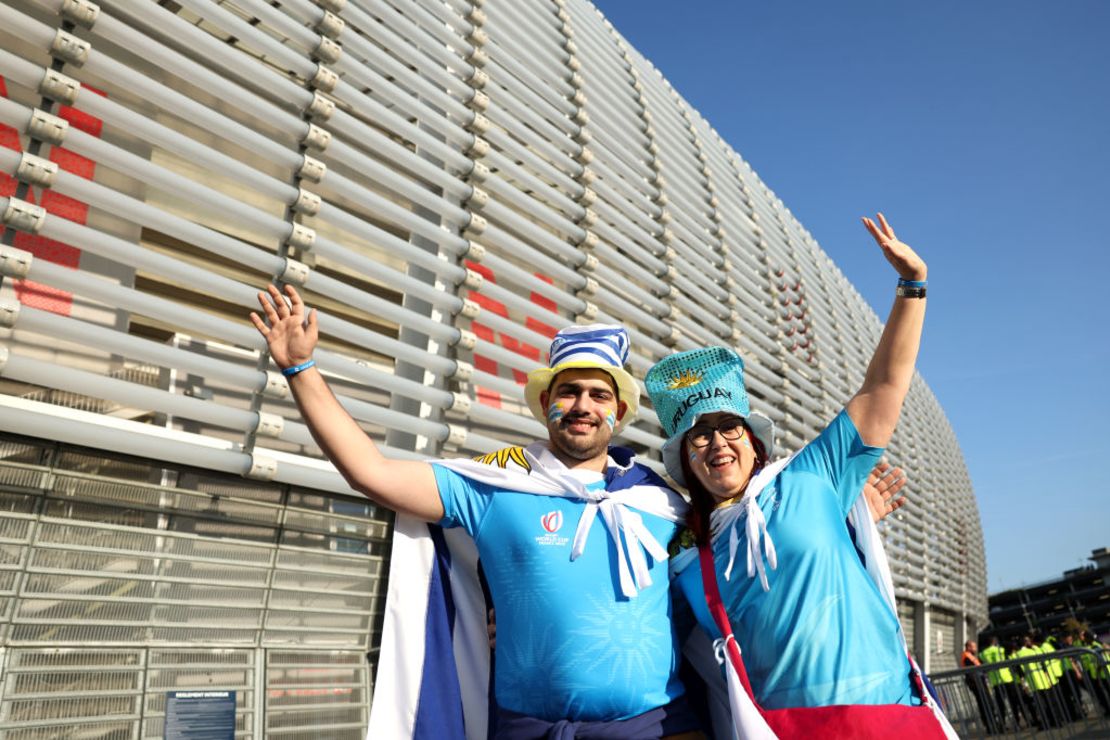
(596, 346)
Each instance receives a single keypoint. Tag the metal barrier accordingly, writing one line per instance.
(1035, 702)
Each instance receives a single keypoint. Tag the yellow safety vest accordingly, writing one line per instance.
(1055, 666)
(995, 654)
(1035, 672)
(1090, 662)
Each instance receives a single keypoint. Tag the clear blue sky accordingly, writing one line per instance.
(982, 130)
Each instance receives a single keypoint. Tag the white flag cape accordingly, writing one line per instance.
(433, 677)
(747, 722)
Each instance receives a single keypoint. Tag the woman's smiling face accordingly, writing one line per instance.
(722, 465)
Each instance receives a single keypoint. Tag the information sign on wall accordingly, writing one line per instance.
(200, 715)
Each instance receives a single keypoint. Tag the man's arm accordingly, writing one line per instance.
(876, 406)
(406, 486)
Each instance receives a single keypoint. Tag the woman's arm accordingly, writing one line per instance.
(876, 406)
(405, 486)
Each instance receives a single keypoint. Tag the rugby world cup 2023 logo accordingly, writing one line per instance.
(552, 522)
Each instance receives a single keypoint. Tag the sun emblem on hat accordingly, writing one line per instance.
(685, 379)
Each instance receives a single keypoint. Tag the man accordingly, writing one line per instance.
(977, 685)
(1005, 689)
(1055, 673)
(1039, 681)
(584, 633)
(1065, 670)
(1095, 665)
(584, 628)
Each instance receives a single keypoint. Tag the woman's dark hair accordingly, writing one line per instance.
(702, 502)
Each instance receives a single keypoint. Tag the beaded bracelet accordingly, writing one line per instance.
(289, 372)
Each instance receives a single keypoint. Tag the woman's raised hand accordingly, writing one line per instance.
(882, 485)
(905, 261)
(290, 336)
(878, 402)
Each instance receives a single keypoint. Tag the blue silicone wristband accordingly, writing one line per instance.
(289, 372)
(902, 282)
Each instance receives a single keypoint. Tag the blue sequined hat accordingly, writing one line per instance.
(688, 385)
(596, 346)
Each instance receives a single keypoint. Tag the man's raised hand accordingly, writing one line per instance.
(290, 336)
(405, 486)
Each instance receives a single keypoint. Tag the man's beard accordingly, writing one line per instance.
(580, 446)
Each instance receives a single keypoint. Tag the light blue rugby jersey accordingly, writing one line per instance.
(569, 645)
(823, 634)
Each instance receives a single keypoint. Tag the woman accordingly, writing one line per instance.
(814, 628)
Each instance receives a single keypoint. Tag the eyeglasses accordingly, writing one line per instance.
(700, 435)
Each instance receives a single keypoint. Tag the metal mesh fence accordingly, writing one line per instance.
(110, 606)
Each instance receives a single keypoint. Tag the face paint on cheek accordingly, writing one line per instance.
(693, 456)
(611, 419)
(747, 443)
(555, 412)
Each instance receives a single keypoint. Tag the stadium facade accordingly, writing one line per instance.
(448, 181)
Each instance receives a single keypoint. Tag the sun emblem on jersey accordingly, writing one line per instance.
(501, 458)
(624, 640)
(685, 379)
